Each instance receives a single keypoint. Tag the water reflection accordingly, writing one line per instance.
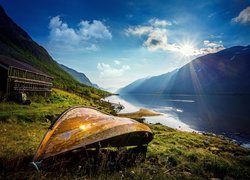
(228, 115)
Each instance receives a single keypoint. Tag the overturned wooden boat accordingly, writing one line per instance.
(85, 127)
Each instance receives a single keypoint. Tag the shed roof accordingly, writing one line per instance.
(7, 62)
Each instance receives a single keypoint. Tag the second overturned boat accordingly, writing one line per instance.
(85, 127)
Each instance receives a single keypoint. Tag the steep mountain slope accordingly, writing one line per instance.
(81, 77)
(155, 84)
(16, 43)
(226, 71)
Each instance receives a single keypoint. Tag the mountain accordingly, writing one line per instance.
(155, 84)
(226, 71)
(81, 77)
(134, 86)
(16, 43)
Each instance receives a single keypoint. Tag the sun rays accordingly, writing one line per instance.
(187, 50)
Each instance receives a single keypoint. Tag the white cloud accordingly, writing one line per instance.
(64, 37)
(243, 17)
(156, 38)
(212, 44)
(117, 62)
(156, 35)
(157, 22)
(154, 23)
(60, 32)
(209, 50)
(139, 30)
(107, 70)
(95, 30)
(211, 47)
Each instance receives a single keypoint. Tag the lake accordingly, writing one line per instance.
(226, 115)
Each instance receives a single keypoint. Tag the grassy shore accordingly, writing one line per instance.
(171, 154)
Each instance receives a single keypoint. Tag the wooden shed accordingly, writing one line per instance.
(16, 76)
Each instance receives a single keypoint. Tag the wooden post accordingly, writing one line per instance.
(7, 86)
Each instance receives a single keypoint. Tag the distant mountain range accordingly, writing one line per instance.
(227, 71)
(81, 77)
(17, 44)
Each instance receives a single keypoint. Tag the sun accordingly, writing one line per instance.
(187, 50)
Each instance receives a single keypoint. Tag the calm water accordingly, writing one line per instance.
(226, 115)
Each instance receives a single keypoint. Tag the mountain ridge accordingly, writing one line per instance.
(222, 72)
(79, 76)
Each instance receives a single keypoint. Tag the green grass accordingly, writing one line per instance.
(47, 109)
(197, 155)
(22, 140)
(172, 154)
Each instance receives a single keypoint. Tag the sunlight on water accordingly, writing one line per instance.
(246, 145)
(179, 100)
(223, 115)
(169, 119)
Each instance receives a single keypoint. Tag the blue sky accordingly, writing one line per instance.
(116, 42)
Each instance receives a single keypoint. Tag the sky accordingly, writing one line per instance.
(116, 42)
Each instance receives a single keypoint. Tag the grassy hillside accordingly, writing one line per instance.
(16, 43)
(172, 154)
(42, 109)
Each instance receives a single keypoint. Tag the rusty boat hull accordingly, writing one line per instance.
(85, 127)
